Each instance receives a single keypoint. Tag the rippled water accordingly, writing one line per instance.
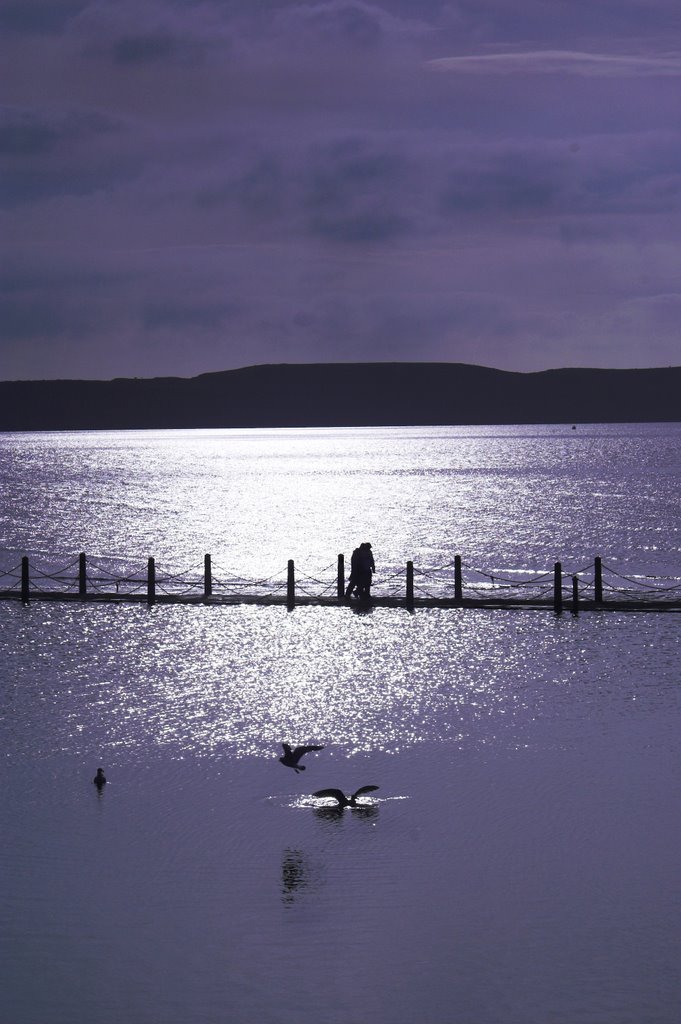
(519, 862)
(510, 497)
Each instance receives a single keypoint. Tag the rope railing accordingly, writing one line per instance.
(392, 585)
(453, 582)
(639, 584)
(634, 592)
(15, 587)
(16, 571)
(499, 579)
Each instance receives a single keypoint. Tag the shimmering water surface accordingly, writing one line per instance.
(519, 862)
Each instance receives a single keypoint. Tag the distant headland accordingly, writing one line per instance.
(345, 394)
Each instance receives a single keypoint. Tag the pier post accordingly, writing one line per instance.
(410, 584)
(341, 578)
(598, 580)
(82, 575)
(291, 584)
(151, 581)
(207, 577)
(458, 583)
(575, 595)
(25, 581)
(557, 588)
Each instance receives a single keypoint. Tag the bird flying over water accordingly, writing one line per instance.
(292, 757)
(343, 800)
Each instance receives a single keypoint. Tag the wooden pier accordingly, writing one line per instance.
(454, 585)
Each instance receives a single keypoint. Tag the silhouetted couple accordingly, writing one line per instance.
(362, 568)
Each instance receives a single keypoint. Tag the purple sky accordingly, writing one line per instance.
(192, 186)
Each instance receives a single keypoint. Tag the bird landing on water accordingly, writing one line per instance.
(342, 800)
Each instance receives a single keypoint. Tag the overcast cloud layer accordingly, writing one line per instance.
(195, 186)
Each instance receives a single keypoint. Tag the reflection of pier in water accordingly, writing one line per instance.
(453, 585)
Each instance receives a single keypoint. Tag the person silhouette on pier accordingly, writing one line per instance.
(367, 568)
(362, 568)
(354, 569)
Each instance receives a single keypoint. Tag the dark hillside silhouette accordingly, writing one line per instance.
(345, 394)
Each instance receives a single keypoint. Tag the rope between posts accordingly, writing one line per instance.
(16, 571)
(69, 565)
(92, 584)
(57, 575)
(311, 579)
(255, 583)
(240, 587)
(179, 576)
(92, 564)
(494, 577)
(15, 586)
(279, 586)
(395, 576)
(428, 573)
(164, 589)
(233, 586)
(310, 593)
(134, 589)
(579, 572)
(647, 586)
(422, 590)
(632, 592)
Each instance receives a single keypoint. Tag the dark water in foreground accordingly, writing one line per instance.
(518, 864)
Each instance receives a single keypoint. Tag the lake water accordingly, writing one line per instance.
(519, 862)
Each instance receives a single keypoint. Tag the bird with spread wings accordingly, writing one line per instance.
(293, 755)
(341, 798)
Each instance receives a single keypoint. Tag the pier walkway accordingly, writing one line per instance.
(453, 585)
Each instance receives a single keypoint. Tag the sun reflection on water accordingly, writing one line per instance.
(240, 681)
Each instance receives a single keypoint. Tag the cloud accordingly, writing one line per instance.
(514, 180)
(354, 189)
(655, 315)
(152, 47)
(23, 321)
(577, 188)
(354, 192)
(338, 22)
(23, 133)
(176, 315)
(39, 17)
(562, 62)
(47, 153)
(350, 25)
(150, 33)
(257, 190)
(49, 307)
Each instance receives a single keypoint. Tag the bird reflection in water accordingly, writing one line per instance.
(296, 876)
(335, 810)
(366, 811)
